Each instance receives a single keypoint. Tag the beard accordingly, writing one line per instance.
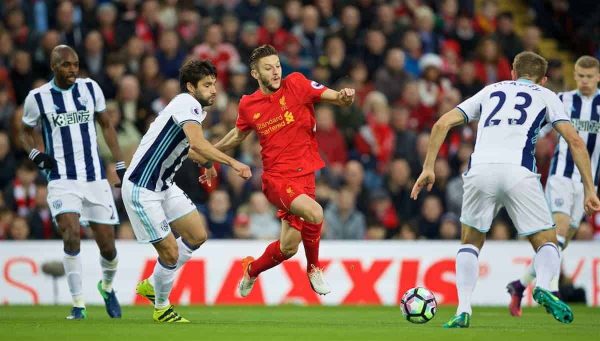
(267, 84)
(204, 101)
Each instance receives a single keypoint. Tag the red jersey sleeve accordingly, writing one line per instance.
(310, 91)
(242, 122)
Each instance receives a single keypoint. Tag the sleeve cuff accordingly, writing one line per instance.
(188, 121)
(558, 121)
(29, 124)
(464, 114)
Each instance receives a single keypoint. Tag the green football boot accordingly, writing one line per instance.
(168, 315)
(144, 288)
(462, 320)
(554, 306)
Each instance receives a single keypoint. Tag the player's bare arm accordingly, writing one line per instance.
(202, 147)
(344, 97)
(209, 170)
(232, 139)
(32, 141)
(582, 160)
(440, 129)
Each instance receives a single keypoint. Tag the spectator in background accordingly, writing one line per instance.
(238, 81)
(21, 75)
(342, 220)
(405, 138)
(556, 77)
(147, 24)
(466, 36)
(389, 25)
(168, 90)
(231, 28)
(328, 15)
(399, 184)
(431, 84)
(500, 230)
(113, 73)
(485, 18)
(106, 15)
(532, 37)
(391, 78)
(128, 135)
(92, 58)
(407, 231)
(39, 218)
(292, 14)
(411, 43)
(134, 51)
(335, 58)
(6, 47)
(71, 33)
(7, 160)
(261, 215)
(170, 56)
(451, 59)
(7, 105)
(130, 103)
(374, 52)
(428, 223)
(448, 14)
(250, 10)
(222, 55)
(21, 35)
(125, 231)
(248, 41)
(350, 31)
(332, 145)
(354, 175)
(20, 194)
(449, 227)
(19, 229)
(490, 65)
(271, 32)
(468, 84)
(454, 192)
(425, 24)
(383, 213)
(505, 35)
(188, 27)
(151, 79)
(6, 218)
(349, 119)
(292, 60)
(309, 34)
(218, 215)
(41, 56)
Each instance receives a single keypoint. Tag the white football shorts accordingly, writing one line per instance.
(489, 187)
(566, 196)
(151, 212)
(92, 200)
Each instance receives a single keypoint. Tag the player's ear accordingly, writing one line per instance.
(254, 74)
(543, 80)
(513, 74)
(189, 87)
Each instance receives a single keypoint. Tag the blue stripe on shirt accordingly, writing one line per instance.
(90, 87)
(90, 172)
(528, 158)
(138, 171)
(169, 171)
(178, 136)
(65, 134)
(575, 114)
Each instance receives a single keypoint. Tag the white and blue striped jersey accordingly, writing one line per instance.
(510, 115)
(68, 128)
(164, 146)
(585, 117)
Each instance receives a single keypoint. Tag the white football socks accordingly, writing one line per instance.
(547, 265)
(162, 280)
(467, 272)
(185, 252)
(109, 269)
(72, 264)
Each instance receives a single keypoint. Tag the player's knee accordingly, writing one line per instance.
(289, 250)
(315, 215)
(108, 251)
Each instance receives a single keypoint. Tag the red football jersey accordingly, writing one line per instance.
(285, 124)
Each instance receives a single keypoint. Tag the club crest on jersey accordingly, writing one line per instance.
(282, 103)
(289, 191)
(316, 85)
(559, 202)
(164, 226)
(256, 116)
(82, 100)
(57, 204)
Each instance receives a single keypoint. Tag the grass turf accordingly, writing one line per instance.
(289, 323)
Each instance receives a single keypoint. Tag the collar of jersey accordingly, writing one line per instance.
(590, 96)
(55, 87)
(525, 80)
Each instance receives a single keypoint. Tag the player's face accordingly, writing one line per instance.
(587, 80)
(206, 90)
(269, 72)
(67, 69)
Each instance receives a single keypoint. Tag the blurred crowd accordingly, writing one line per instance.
(409, 60)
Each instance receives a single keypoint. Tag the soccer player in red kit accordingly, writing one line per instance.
(282, 114)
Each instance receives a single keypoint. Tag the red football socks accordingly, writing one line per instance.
(270, 258)
(311, 238)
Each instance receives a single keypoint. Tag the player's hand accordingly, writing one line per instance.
(242, 170)
(427, 178)
(120, 169)
(207, 174)
(347, 96)
(42, 160)
(592, 204)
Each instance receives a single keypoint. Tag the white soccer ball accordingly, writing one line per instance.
(418, 305)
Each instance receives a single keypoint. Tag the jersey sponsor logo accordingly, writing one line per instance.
(69, 118)
(256, 116)
(588, 126)
(272, 125)
(316, 85)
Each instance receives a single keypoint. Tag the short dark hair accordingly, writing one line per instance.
(587, 62)
(261, 52)
(530, 64)
(193, 71)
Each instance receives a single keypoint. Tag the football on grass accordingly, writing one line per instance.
(418, 305)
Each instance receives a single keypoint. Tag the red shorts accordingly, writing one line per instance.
(281, 191)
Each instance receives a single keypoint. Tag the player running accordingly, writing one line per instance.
(282, 114)
(67, 107)
(502, 173)
(154, 204)
(564, 189)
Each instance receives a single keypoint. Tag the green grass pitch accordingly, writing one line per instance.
(290, 323)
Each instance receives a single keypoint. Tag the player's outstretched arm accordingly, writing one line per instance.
(202, 147)
(32, 142)
(438, 134)
(110, 136)
(582, 161)
(232, 139)
(344, 97)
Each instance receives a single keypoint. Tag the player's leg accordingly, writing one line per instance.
(105, 239)
(192, 234)
(65, 201)
(275, 253)
(68, 224)
(312, 213)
